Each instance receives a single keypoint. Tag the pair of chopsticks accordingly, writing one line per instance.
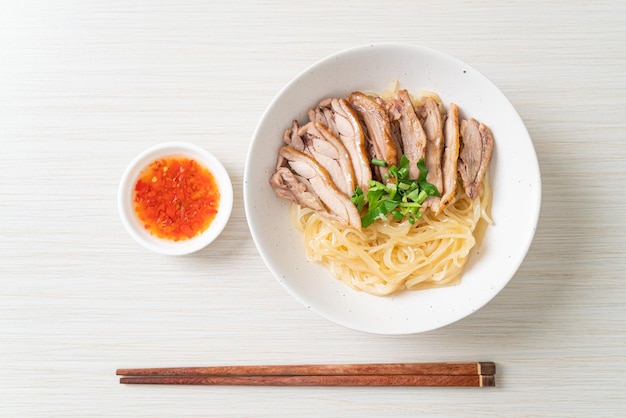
(480, 374)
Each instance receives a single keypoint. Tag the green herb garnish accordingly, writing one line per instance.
(400, 196)
(378, 162)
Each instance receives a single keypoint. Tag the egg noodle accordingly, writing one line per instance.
(390, 255)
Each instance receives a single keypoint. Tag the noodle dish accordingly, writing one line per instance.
(392, 189)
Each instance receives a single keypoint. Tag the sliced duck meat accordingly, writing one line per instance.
(292, 138)
(341, 119)
(412, 134)
(450, 157)
(378, 132)
(394, 124)
(323, 114)
(474, 155)
(336, 204)
(288, 186)
(430, 117)
(330, 153)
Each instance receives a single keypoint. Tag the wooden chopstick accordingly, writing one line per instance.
(476, 368)
(319, 380)
(394, 374)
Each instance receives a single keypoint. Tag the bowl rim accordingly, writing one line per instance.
(126, 188)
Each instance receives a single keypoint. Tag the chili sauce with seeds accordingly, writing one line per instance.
(176, 198)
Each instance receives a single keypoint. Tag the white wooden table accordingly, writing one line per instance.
(85, 86)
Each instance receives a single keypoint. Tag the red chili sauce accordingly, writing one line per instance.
(176, 198)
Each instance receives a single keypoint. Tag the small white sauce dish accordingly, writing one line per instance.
(126, 196)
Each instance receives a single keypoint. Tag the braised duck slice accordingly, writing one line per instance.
(378, 132)
(450, 157)
(336, 204)
(323, 114)
(430, 117)
(297, 189)
(341, 119)
(394, 126)
(412, 134)
(330, 153)
(475, 154)
(292, 138)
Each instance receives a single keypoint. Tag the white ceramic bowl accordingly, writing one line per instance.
(126, 195)
(514, 173)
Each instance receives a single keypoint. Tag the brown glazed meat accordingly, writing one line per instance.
(342, 120)
(475, 155)
(378, 128)
(449, 160)
(330, 153)
(430, 116)
(288, 186)
(328, 157)
(336, 204)
(411, 132)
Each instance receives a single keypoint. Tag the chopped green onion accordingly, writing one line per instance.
(380, 163)
(400, 196)
(358, 198)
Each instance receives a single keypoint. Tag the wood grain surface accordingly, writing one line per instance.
(86, 86)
